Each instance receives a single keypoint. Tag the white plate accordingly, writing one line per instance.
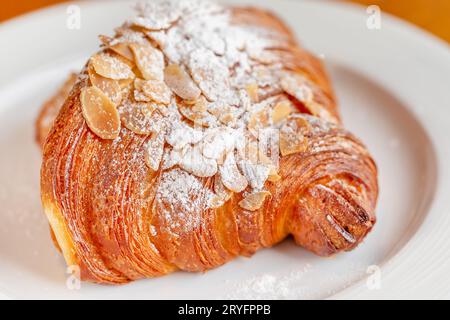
(393, 85)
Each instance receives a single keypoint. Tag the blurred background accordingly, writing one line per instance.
(432, 15)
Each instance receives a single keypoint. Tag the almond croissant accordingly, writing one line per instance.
(197, 134)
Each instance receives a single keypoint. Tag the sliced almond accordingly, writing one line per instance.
(259, 120)
(216, 202)
(154, 151)
(209, 72)
(298, 87)
(254, 201)
(181, 135)
(255, 156)
(231, 176)
(126, 61)
(194, 162)
(252, 90)
(105, 40)
(273, 175)
(156, 90)
(139, 94)
(181, 83)
(111, 67)
(149, 60)
(256, 174)
(109, 87)
(250, 153)
(100, 113)
(123, 49)
(124, 83)
(227, 118)
(171, 158)
(290, 145)
(217, 143)
(225, 114)
(220, 190)
(320, 111)
(293, 136)
(281, 111)
(204, 119)
(261, 55)
(200, 105)
(136, 116)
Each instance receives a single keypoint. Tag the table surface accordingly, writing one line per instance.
(432, 15)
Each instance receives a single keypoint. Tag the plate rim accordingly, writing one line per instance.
(393, 267)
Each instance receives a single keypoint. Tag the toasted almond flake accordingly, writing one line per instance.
(190, 102)
(256, 156)
(227, 118)
(203, 119)
(157, 15)
(194, 162)
(273, 175)
(216, 202)
(124, 60)
(181, 134)
(200, 105)
(259, 54)
(254, 201)
(293, 136)
(320, 111)
(137, 72)
(289, 145)
(171, 158)
(156, 90)
(100, 113)
(210, 74)
(225, 114)
(155, 150)
(231, 176)
(281, 111)
(136, 116)
(111, 67)
(259, 120)
(217, 143)
(181, 83)
(149, 60)
(124, 50)
(220, 190)
(125, 83)
(105, 40)
(297, 86)
(139, 96)
(119, 48)
(252, 90)
(109, 87)
(256, 174)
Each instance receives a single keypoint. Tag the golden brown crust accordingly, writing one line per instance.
(100, 196)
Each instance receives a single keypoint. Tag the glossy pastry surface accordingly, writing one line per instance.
(197, 134)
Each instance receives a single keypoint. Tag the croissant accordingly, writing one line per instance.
(199, 133)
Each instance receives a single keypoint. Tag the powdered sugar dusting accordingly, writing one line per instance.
(223, 83)
(181, 198)
(272, 286)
